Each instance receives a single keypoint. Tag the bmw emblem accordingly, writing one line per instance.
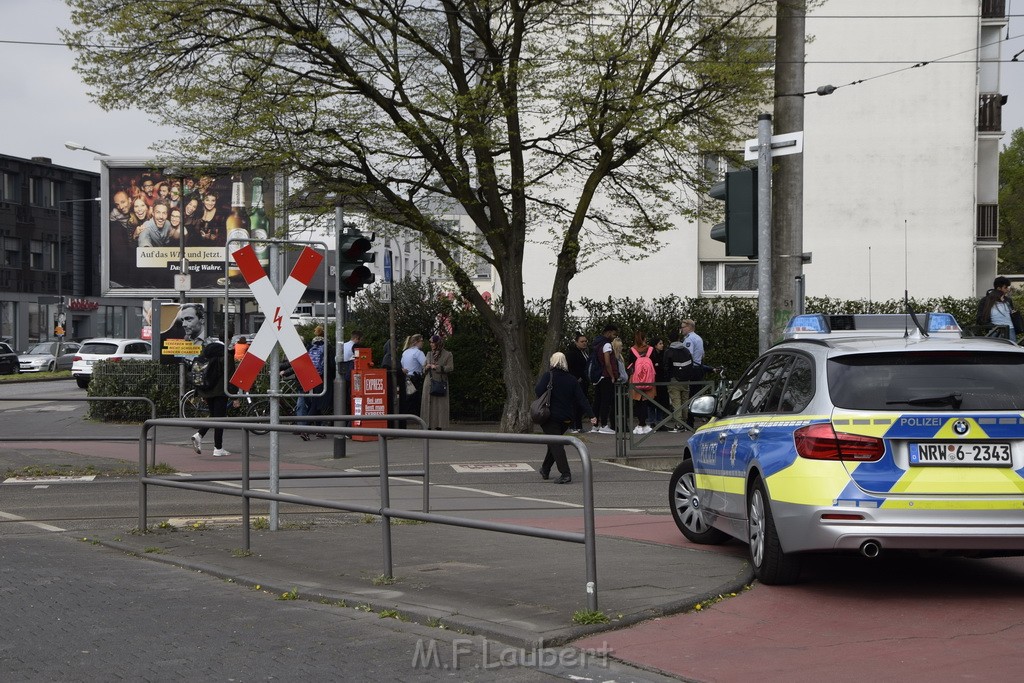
(960, 427)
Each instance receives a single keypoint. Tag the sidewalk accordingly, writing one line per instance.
(519, 590)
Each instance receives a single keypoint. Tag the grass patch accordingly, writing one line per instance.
(586, 617)
(153, 549)
(35, 376)
(260, 523)
(241, 552)
(392, 614)
(86, 471)
(293, 594)
(384, 580)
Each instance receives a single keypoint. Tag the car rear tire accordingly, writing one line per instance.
(684, 500)
(771, 565)
(50, 367)
(83, 382)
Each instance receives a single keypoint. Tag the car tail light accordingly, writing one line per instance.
(112, 358)
(76, 358)
(821, 442)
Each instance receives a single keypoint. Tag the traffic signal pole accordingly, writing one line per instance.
(764, 232)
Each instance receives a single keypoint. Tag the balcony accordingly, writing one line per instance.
(988, 223)
(990, 112)
(993, 9)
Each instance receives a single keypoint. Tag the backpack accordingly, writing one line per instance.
(594, 369)
(316, 354)
(643, 370)
(680, 364)
(204, 373)
(979, 317)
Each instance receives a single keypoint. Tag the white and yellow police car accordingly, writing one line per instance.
(867, 433)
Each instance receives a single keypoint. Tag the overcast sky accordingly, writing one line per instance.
(45, 103)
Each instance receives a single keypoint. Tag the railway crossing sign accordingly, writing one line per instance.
(277, 327)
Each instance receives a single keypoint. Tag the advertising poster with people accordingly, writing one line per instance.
(150, 213)
(182, 330)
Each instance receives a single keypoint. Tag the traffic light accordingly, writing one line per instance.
(353, 253)
(739, 231)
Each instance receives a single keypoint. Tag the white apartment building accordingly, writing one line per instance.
(900, 165)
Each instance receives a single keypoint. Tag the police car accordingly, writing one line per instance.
(861, 433)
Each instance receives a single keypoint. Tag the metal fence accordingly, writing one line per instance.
(384, 510)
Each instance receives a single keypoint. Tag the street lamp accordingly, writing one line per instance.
(60, 327)
(78, 147)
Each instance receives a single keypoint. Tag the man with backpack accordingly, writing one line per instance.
(603, 371)
(680, 368)
(209, 380)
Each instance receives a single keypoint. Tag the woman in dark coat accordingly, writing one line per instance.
(566, 394)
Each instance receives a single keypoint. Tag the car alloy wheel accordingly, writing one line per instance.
(687, 511)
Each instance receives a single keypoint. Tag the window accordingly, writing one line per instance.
(483, 268)
(764, 397)
(729, 277)
(35, 191)
(12, 252)
(740, 277)
(36, 255)
(709, 277)
(799, 387)
(9, 190)
(7, 319)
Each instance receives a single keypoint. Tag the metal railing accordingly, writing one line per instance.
(626, 441)
(384, 510)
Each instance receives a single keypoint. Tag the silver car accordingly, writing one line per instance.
(48, 356)
(847, 437)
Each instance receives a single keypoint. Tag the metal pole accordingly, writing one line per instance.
(340, 378)
(764, 231)
(385, 503)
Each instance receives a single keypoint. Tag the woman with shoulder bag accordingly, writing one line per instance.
(566, 394)
(434, 402)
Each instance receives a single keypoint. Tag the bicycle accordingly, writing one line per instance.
(192, 405)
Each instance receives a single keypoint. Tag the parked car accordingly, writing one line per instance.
(861, 434)
(8, 360)
(41, 357)
(94, 350)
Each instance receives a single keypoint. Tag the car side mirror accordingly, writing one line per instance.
(703, 406)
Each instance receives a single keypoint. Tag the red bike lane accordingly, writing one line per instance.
(907, 619)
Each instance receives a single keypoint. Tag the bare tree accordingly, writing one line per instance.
(575, 123)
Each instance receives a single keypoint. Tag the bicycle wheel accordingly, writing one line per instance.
(193, 406)
(258, 407)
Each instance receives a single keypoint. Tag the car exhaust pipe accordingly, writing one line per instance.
(870, 548)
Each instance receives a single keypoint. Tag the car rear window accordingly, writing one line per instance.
(927, 381)
(100, 349)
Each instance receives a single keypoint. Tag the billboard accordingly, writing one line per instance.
(182, 330)
(152, 213)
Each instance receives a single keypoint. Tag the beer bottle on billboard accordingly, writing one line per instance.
(235, 223)
(259, 225)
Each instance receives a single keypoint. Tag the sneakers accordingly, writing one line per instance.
(220, 452)
(197, 443)
(638, 430)
(646, 429)
(605, 430)
(574, 431)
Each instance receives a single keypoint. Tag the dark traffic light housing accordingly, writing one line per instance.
(739, 231)
(353, 254)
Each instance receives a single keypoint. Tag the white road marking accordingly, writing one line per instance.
(48, 480)
(22, 520)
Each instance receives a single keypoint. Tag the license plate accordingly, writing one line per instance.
(962, 454)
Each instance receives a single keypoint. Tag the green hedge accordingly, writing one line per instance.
(727, 325)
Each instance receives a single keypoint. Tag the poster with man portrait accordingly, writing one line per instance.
(152, 214)
(182, 330)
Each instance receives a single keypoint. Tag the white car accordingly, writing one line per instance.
(94, 350)
(48, 356)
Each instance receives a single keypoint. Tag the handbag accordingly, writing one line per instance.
(410, 386)
(438, 387)
(540, 408)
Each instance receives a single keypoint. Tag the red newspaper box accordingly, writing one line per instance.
(369, 393)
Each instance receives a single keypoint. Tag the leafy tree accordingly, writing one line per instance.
(579, 124)
(1011, 204)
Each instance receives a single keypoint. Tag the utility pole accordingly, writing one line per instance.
(788, 178)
